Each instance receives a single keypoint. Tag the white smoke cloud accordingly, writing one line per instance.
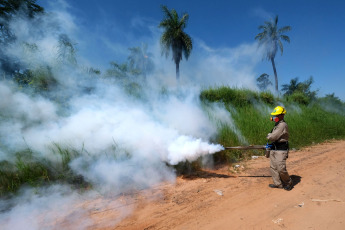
(261, 13)
(97, 122)
(20, 112)
(226, 66)
(189, 148)
(123, 143)
(48, 208)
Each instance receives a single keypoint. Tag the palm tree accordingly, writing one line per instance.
(289, 89)
(301, 87)
(174, 37)
(140, 60)
(119, 71)
(271, 37)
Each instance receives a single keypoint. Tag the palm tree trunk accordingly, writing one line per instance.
(177, 71)
(275, 73)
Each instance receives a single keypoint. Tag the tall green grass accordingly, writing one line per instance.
(30, 169)
(314, 125)
(308, 124)
(235, 96)
(25, 169)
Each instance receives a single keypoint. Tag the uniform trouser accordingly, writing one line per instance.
(279, 173)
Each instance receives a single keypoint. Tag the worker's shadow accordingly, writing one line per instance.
(295, 179)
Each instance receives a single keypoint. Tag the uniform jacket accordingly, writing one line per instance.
(280, 132)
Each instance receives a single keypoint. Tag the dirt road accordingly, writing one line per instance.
(224, 199)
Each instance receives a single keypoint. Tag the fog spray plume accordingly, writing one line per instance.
(121, 140)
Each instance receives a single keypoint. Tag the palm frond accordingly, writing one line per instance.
(261, 36)
(268, 24)
(284, 29)
(164, 23)
(166, 12)
(262, 27)
(187, 45)
(183, 21)
(285, 38)
(276, 20)
(280, 46)
(176, 17)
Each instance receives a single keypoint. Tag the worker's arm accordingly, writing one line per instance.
(277, 132)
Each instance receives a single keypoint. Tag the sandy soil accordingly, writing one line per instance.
(229, 198)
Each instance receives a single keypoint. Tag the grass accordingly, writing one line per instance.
(24, 170)
(248, 124)
(315, 125)
(308, 123)
(27, 169)
(235, 96)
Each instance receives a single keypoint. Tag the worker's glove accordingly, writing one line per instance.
(268, 146)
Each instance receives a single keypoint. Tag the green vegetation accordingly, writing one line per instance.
(30, 170)
(299, 92)
(236, 97)
(263, 81)
(24, 170)
(309, 121)
(8, 10)
(139, 63)
(140, 60)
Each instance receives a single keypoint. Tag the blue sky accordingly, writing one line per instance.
(107, 28)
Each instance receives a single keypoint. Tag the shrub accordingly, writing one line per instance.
(267, 97)
(237, 97)
(299, 98)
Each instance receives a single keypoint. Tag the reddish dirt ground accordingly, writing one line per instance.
(229, 198)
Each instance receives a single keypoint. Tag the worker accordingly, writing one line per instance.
(279, 137)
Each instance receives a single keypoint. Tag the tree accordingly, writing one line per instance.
(334, 98)
(8, 10)
(300, 91)
(263, 81)
(66, 50)
(271, 37)
(174, 37)
(118, 71)
(332, 103)
(140, 60)
(289, 89)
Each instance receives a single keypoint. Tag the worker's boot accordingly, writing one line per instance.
(289, 186)
(275, 186)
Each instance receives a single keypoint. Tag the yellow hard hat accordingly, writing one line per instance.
(278, 110)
